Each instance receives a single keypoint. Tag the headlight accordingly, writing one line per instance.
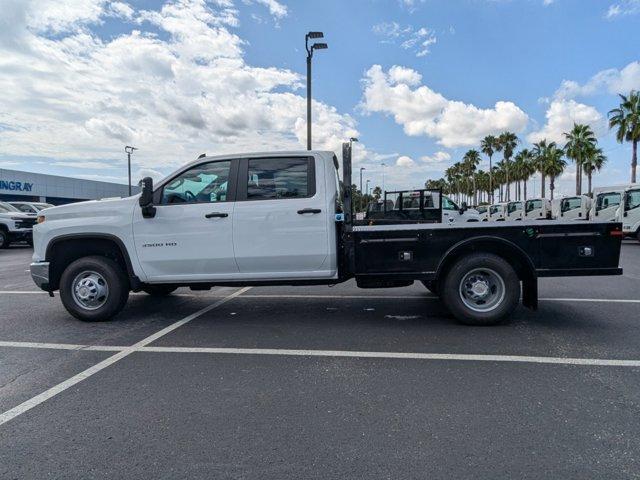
(40, 218)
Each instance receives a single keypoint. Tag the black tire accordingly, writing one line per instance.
(4, 239)
(486, 266)
(112, 275)
(159, 290)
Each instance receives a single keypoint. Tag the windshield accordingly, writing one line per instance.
(5, 207)
(494, 209)
(606, 200)
(632, 200)
(513, 206)
(570, 204)
(532, 205)
(481, 209)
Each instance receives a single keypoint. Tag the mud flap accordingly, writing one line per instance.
(530, 293)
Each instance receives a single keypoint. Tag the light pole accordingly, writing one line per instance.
(368, 186)
(129, 151)
(315, 46)
(383, 165)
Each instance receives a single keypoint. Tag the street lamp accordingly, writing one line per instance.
(383, 165)
(315, 46)
(367, 186)
(129, 151)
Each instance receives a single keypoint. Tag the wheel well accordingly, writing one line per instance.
(62, 252)
(506, 250)
(4, 228)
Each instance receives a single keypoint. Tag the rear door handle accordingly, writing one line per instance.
(216, 215)
(309, 210)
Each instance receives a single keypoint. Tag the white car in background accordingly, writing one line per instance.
(483, 212)
(537, 209)
(30, 207)
(451, 213)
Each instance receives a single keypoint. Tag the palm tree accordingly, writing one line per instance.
(489, 145)
(580, 142)
(470, 163)
(539, 152)
(626, 118)
(507, 142)
(593, 162)
(554, 164)
(524, 168)
(377, 193)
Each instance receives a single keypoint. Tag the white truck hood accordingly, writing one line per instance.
(91, 208)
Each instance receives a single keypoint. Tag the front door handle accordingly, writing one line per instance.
(309, 210)
(216, 215)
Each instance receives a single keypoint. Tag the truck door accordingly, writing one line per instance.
(280, 223)
(190, 236)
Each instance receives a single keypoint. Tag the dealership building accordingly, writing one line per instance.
(37, 187)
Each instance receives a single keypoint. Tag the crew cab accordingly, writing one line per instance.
(284, 219)
(15, 226)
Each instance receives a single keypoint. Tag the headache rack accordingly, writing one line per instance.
(405, 206)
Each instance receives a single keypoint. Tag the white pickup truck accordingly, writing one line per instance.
(15, 226)
(281, 219)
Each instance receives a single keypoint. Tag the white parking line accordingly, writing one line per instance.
(61, 387)
(600, 362)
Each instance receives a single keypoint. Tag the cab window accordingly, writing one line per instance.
(280, 178)
(494, 209)
(570, 204)
(447, 204)
(532, 205)
(632, 200)
(606, 200)
(514, 206)
(205, 183)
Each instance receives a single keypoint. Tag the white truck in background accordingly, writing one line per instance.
(515, 210)
(628, 212)
(606, 202)
(574, 208)
(498, 212)
(15, 226)
(537, 209)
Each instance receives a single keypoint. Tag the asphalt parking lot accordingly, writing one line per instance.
(319, 382)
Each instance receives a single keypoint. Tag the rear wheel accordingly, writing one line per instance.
(94, 289)
(481, 289)
(4, 239)
(159, 290)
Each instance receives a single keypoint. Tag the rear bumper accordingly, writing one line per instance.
(40, 274)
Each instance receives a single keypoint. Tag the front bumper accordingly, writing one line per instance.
(40, 274)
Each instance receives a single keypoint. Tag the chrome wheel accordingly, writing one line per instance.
(482, 290)
(90, 290)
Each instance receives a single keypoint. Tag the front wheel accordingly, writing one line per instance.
(94, 289)
(481, 289)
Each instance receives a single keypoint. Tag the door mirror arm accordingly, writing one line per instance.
(146, 198)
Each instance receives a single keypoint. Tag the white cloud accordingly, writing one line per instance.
(75, 96)
(611, 81)
(404, 161)
(417, 40)
(276, 9)
(421, 111)
(561, 115)
(622, 8)
(438, 157)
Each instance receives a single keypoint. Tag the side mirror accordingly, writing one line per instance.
(146, 198)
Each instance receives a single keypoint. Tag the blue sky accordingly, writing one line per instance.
(417, 81)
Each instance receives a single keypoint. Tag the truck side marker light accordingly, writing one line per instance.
(616, 233)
